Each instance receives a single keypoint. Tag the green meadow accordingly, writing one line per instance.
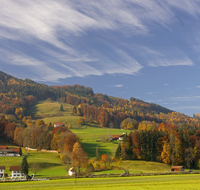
(168, 182)
(51, 165)
(50, 112)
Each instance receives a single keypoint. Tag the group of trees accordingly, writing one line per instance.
(170, 145)
(37, 135)
(126, 118)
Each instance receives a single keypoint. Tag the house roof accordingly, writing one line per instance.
(72, 169)
(115, 136)
(10, 150)
(3, 147)
(176, 167)
(14, 168)
(58, 123)
(2, 167)
(16, 149)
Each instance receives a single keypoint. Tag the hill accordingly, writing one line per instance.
(17, 96)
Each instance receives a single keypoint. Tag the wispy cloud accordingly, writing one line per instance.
(68, 38)
(166, 63)
(185, 98)
(186, 107)
(117, 85)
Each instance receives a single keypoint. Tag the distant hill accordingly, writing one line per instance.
(18, 95)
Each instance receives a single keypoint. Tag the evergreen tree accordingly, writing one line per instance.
(118, 152)
(24, 166)
(20, 151)
(97, 153)
(61, 108)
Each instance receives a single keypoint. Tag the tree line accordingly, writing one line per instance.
(167, 144)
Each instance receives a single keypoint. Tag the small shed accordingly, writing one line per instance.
(177, 168)
(71, 171)
(2, 169)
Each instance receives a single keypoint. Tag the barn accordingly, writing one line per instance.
(177, 168)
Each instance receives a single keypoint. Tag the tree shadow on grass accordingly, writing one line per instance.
(45, 165)
(93, 125)
(32, 111)
(90, 148)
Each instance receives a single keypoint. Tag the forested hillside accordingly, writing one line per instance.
(17, 95)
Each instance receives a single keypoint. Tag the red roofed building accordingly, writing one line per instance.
(2, 169)
(16, 171)
(177, 168)
(116, 137)
(58, 124)
(3, 147)
(9, 152)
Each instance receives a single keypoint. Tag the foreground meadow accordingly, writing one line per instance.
(52, 166)
(168, 182)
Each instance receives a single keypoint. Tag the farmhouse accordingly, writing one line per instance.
(177, 168)
(58, 124)
(71, 171)
(116, 137)
(16, 171)
(9, 152)
(2, 169)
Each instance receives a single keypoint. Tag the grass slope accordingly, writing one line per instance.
(94, 136)
(169, 182)
(50, 112)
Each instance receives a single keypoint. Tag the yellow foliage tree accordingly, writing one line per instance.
(165, 155)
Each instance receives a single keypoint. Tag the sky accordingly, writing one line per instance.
(147, 49)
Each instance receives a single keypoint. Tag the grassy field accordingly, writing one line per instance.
(53, 167)
(50, 112)
(48, 162)
(169, 182)
(93, 137)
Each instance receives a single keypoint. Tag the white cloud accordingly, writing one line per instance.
(186, 107)
(117, 85)
(166, 63)
(185, 98)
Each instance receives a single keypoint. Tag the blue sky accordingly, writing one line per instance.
(145, 49)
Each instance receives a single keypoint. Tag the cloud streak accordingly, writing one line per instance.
(117, 85)
(75, 38)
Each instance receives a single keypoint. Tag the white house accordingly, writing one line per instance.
(58, 124)
(71, 171)
(16, 171)
(2, 169)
